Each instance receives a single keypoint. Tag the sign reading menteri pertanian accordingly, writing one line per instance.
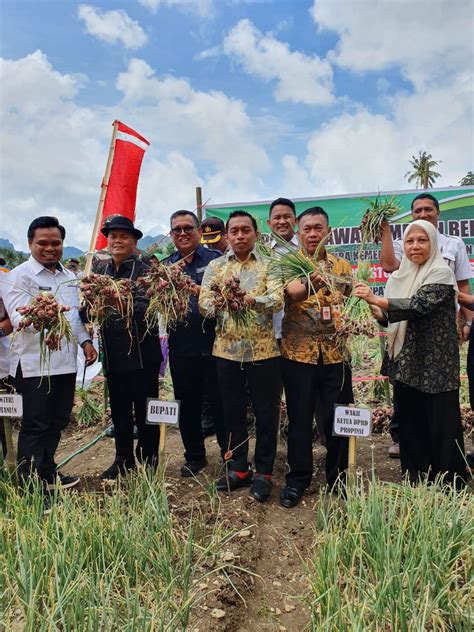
(160, 411)
(11, 406)
(351, 421)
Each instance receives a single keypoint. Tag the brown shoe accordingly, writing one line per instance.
(394, 451)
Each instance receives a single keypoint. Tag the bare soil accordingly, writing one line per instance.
(273, 541)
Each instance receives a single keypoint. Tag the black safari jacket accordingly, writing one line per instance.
(122, 353)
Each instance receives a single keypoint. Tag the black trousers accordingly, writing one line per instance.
(128, 393)
(264, 382)
(394, 425)
(303, 382)
(431, 438)
(189, 375)
(47, 406)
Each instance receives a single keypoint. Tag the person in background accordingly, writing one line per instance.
(190, 345)
(132, 356)
(214, 237)
(250, 357)
(214, 234)
(453, 250)
(72, 264)
(48, 392)
(282, 222)
(467, 300)
(419, 307)
(314, 362)
(5, 330)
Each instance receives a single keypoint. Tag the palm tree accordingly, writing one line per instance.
(422, 172)
(468, 179)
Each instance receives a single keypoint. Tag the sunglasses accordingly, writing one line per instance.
(184, 229)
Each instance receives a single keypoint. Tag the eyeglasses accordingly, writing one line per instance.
(183, 229)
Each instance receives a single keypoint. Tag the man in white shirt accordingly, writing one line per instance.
(48, 391)
(426, 206)
(282, 222)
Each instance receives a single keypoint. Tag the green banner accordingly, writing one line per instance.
(346, 211)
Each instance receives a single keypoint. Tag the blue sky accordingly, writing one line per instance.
(248, 99)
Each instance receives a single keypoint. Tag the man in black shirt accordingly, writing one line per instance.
(190, 345)
(131, 358)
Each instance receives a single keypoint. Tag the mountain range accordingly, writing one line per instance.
(72, 251)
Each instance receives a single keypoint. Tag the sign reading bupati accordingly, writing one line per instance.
(350, 421)
(162, 412)
(11, 406)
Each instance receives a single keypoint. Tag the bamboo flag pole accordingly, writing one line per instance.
(199, 203)
(100, 207)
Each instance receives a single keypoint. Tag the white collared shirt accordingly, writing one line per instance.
(453, 251)
(28, 279)
(278, 317)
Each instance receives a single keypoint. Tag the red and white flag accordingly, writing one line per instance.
(121, 195)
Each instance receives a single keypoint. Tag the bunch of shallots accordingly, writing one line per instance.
(104, 297)
(378, 211)
(230, 298)
(168, 289)
(48, 318)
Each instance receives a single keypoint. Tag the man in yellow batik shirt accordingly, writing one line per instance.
(314, 360)
(250, 356)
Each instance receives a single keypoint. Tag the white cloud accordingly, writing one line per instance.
(54, 150)
(362, 151)
(214, 127)
(204, 8)
(425, 39)
(112, 27)
(299, 77)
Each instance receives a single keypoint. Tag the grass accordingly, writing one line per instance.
(392, 557)
(101, 562)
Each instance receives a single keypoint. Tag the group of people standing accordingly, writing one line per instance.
(290, 343)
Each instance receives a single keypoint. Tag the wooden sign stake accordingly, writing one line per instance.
(162, 445)
(352, 461)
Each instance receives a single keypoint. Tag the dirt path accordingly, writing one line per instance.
(273, 541)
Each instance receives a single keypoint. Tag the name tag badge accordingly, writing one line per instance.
(44, 288)
(326, 316)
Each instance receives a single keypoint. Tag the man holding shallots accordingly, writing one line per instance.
(315, 360)
(237, 290)
(45, 378)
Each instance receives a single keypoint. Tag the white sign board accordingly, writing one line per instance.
(11, 406)
(350, 421)
(160, 411)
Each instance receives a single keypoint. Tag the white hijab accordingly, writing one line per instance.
(409, 277)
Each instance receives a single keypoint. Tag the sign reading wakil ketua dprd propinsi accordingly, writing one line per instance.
(11, 405)
(162, 412)
(352, 421)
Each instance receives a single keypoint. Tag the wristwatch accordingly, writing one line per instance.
(2, 332)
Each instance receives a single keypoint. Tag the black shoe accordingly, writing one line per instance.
(193, 467)
(290, 496)
(261, 488)
(116, 469)
(231, 481)
(61, 481)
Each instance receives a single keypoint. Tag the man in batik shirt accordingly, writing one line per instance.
(250, 356)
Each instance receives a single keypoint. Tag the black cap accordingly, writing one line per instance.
(212, 230)
(118, 222)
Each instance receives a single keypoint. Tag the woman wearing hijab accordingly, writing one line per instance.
(419, 308)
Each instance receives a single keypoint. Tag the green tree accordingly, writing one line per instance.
(12, 258)
(422, 170)
(468, 179)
